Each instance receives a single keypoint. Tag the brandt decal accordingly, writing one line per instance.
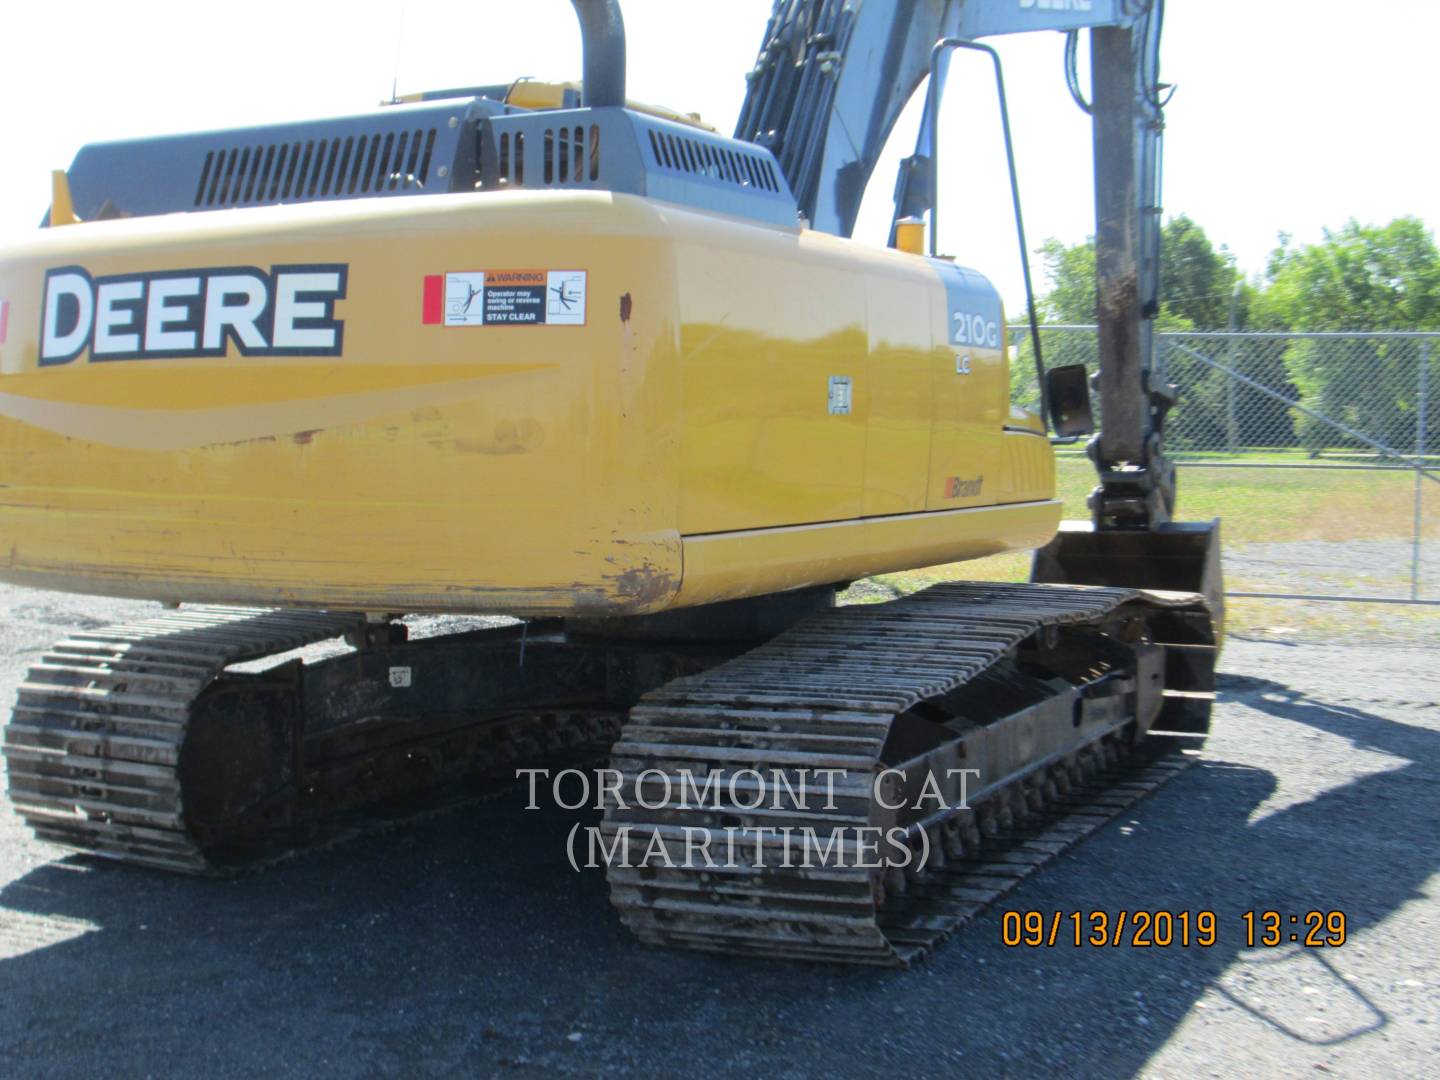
(959, 488)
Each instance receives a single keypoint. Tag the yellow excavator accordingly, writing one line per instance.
(537, 351)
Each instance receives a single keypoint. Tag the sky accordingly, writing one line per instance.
(1289, 115)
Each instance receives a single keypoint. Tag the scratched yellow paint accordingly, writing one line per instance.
(677, 448)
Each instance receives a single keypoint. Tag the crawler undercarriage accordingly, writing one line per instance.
(980, 727)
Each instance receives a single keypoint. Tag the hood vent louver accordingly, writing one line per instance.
(341, 167)
(721, 163)
(621, 150)
(424, 148)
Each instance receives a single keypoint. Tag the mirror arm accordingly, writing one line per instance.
(932, 118)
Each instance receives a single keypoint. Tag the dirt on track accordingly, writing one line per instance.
(466, 944)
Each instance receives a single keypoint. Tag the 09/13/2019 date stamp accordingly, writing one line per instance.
(1162, 929)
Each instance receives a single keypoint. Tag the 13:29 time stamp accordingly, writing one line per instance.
(1312, 929)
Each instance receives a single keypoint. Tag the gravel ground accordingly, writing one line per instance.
(1353, 567)
(467, 944)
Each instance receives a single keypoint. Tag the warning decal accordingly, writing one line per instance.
(505, 298)
(566, 300)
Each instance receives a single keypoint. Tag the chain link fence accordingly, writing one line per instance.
(1321, 452)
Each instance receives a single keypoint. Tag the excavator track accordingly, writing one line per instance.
(837, 691)
(95, 747)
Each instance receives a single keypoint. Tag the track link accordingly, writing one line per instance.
(827, 694)
(95, 745)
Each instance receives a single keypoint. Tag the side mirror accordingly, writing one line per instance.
(1067, 390)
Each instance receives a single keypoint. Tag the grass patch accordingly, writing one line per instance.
(1261, 507)
(1265, 506)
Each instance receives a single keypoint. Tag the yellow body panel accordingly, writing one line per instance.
(728, 566)
(677, 448)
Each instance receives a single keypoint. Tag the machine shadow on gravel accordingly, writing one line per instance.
(440, 923)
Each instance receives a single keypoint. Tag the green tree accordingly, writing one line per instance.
(1363, 277)
(1360, 278)
(1197, 281)
(1071, 270)
(1200, 290)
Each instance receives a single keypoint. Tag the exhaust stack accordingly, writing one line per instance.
(602, 32)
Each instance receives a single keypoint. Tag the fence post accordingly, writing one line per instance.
(1232, 429)
(1420, 419)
